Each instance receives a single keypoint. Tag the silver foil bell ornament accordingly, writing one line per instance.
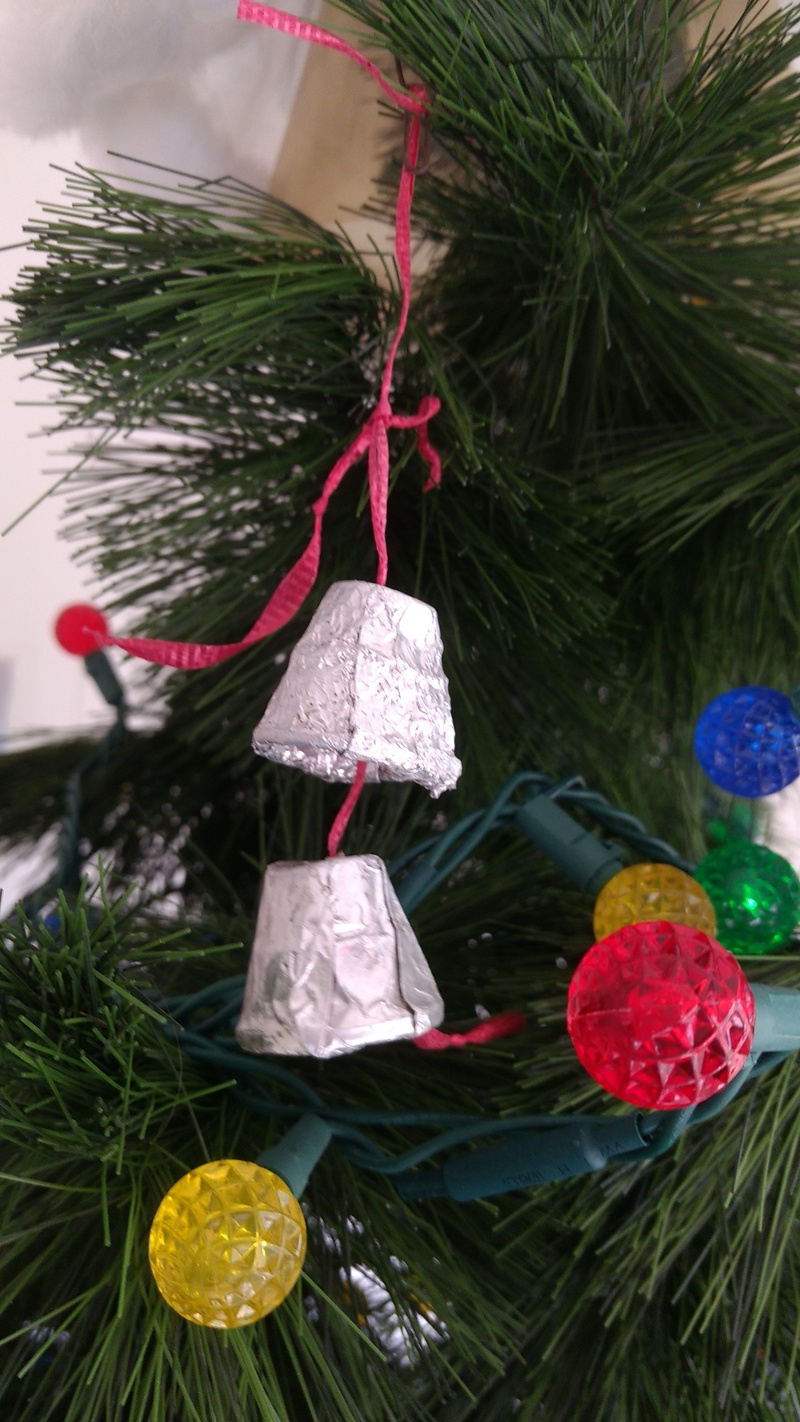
(335, 964)
(365, 683)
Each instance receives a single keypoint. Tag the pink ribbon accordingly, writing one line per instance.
(505, 1024)
(346, 809)
(372, 439)
(302, 29)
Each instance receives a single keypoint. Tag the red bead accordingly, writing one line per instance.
(75, 626)
(660, 1015)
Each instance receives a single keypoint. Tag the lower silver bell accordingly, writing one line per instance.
(365, 683)
(335, 964)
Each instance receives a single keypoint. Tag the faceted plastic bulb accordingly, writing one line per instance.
(644, 892)
(755, 893)
(227, 1244)
(748, 741)
(660, 1015)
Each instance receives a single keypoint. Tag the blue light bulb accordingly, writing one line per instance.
(748, 741)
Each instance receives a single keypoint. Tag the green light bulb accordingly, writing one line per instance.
(755, 893)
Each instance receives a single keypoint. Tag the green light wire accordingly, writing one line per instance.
(248, 1079)
(463, 1129)
(68, 869)
(428, 865)
(435, 860)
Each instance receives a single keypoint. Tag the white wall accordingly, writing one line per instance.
(40, 686)
(222, 103)
(226, 110)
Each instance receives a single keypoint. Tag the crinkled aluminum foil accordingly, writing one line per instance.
(335, 964)
(365, 682)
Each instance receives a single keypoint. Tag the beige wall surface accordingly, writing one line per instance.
(339, 134)
(723, 15)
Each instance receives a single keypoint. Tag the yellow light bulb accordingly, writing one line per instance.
(643, 892)
(227, 1243)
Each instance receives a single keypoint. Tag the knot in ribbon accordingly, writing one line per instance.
(504, 1024)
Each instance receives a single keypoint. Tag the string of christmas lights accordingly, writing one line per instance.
(653, 921)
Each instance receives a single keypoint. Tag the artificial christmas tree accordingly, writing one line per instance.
(610, 324)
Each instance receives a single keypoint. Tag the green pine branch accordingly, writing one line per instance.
(611, 324)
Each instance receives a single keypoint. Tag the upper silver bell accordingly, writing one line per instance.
(365, 683)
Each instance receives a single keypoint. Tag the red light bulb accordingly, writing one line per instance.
(75, 628)
(660, 1015)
